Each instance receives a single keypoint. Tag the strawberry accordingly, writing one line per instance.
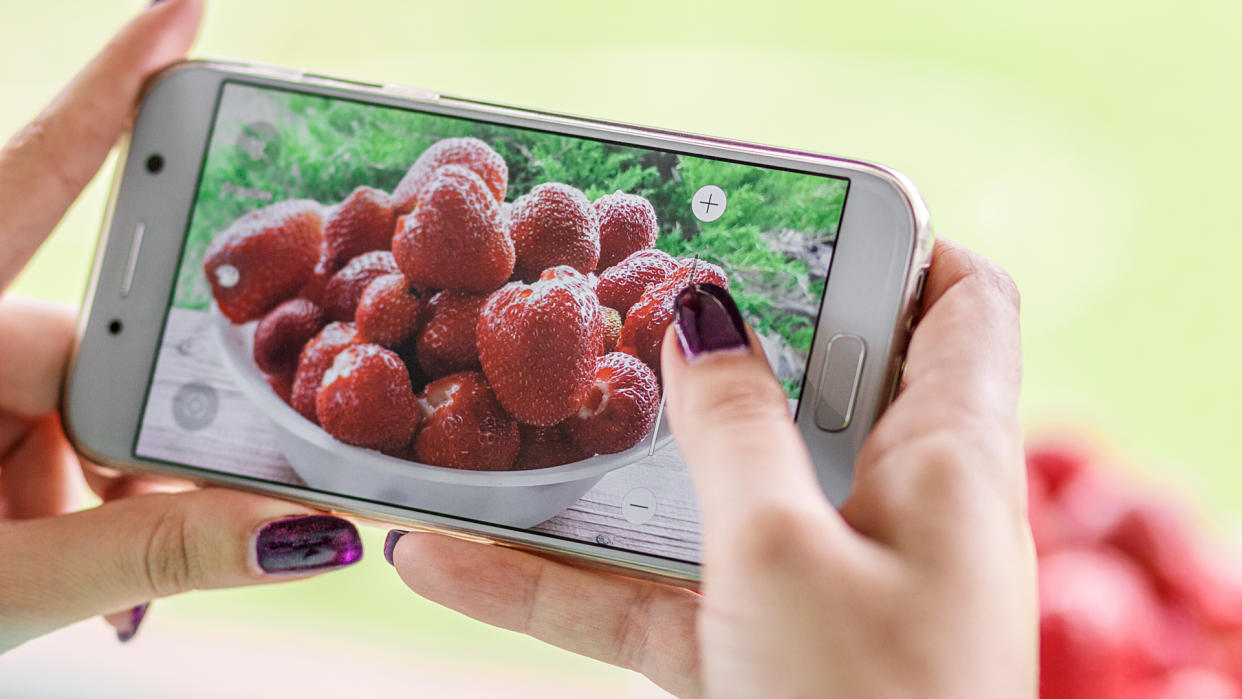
(1098, 623)
(281, 385)
(642, 334)
(538, 344)
(470, 153)
(1186, 683)
(621, 285)
(1153, 534)
(280, 336)
(1056, 460)
(313, 289)
(627, 224)
(366, 399)
(620, 408)
(315, 360)
(464, 425)
(263, 258)
(340, 296)
(553, 225)
(612, 329)
(388, 311)
(455, 238)
(446, 343)
(362, 223)
(543, 447)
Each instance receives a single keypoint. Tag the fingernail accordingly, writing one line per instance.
(307, 543)
(390, 543)
(707, 320)
(131, 621)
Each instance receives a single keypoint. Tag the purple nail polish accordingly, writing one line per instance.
(136, 615)
(303, 544)
(707, 320)
(390, 543)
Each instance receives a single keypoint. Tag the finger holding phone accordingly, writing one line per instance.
(921, 585)
(61, 566)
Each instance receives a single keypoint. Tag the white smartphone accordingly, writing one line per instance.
(330, 291)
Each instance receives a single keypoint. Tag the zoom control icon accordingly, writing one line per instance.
(195, 406)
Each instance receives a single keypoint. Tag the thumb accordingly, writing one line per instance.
(59, 570)
(751, 469)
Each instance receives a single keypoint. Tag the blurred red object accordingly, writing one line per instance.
(1131, 604)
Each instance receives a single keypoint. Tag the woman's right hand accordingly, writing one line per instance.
(923, 584)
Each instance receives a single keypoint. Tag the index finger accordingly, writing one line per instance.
(44, 166)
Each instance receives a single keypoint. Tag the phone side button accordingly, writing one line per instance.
(131, 262)
(839, 384)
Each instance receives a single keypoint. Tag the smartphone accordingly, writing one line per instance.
(422, 310)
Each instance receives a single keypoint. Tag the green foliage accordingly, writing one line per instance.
(323, 149)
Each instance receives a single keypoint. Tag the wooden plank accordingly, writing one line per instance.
(240, 441)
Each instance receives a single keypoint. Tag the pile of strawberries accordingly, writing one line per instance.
(442, 325)
(1130, 605)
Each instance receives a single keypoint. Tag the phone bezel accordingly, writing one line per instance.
(884, 241)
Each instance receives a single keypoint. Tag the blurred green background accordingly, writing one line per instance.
(1090, 147)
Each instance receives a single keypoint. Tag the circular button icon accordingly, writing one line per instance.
(638, 506)
(195, 406)
(708, 203)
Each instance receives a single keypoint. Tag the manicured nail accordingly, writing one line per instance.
(390, 543)
(707, 320)
(307, 543)
(131, 621)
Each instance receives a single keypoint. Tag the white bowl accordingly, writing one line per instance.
(511, 498)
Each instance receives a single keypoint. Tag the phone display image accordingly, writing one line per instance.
(464, 317)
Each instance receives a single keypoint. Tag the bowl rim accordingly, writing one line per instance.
(235, 341)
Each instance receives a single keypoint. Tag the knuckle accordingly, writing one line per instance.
(169, 563)
(35, 148)
(778, 536)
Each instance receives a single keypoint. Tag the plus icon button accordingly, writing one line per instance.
(708, 203)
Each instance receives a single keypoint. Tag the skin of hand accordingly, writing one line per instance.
(57, 566)
(921, 585)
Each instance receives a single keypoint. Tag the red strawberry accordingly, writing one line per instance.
(1154, 535)
(612, 329)
(455, 238)
(627, 224)
(543, 447)
(621, 285)
(446, 343)
(366, 399)
(538, 344)
(315, 360)
(1186, 683)
(313, 289)
(280, 336)
(388, 311)
(281, 385)
(553, 225)
(1056, 460)
(464, 425)
(620, 409)
(470, 153)
(1098, 624)
(569, 273)
(704, 273)
(642, 334)
(263, 258)
(341, 295)
(362, 223)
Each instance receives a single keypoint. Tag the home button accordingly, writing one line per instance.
(843, 367)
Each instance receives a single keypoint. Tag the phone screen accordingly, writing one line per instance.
(463, 317)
